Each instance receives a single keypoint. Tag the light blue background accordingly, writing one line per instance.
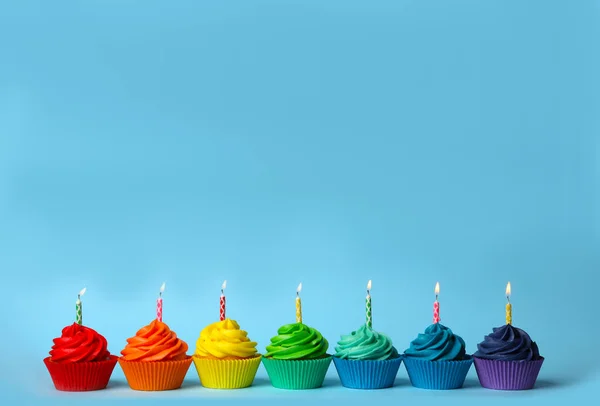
(273, 142)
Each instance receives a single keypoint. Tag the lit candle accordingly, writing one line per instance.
(222, 302)
(436, 304)
(159, 309)
(298, 305)
(78, 309)
(508, 305)
(369, 314)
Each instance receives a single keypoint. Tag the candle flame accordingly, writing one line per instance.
(508, 289)
(162, 287)
(437, 288)
(369, 285)
(299, 288)
(82, 292)
(224, 285)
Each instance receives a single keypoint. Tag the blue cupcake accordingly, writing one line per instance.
(366, 359)
(437, 359)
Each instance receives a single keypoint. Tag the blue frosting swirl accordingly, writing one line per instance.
(508, 343)
(437, 343)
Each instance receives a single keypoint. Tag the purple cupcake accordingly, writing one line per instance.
(507, 359)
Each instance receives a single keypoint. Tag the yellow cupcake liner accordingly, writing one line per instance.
(226, 373)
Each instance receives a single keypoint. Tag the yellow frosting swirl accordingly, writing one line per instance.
(224, 339)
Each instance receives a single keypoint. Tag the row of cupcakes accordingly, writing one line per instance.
(225, 358)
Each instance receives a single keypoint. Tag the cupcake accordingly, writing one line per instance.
(508, 359)
(297, 357)
(225, 358)
(437, 359)
(366, 359)
(155, 359)
(79, 360)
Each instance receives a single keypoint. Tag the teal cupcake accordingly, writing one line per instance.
(297, 357)
(366, 359)
(437, 359)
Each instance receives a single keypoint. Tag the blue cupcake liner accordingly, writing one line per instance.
(367, 374)
(437, 375)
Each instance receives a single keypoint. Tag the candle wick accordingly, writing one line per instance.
(436, 298)
(508, 298)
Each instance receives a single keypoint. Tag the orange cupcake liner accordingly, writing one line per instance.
(155, 375)
(81, 376)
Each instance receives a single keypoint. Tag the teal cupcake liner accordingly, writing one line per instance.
(297, 374)
(367, 374)
(437, 375)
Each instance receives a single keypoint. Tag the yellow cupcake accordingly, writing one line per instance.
(225, 358)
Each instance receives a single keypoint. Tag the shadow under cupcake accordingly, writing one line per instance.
(507, 359)
(437, 359)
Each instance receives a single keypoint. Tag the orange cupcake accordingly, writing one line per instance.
(155, 359)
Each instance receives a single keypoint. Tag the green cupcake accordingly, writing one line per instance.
(297, 357)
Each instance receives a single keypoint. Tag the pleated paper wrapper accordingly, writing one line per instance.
(155, 375)
(437, 375)
(297, 374)
(80, 376)
(507, 375)
(225, 373)
(367, 374)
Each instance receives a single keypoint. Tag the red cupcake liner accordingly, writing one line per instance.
(80, 376)
(507, 375)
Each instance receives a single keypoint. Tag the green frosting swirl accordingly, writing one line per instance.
(365, 344)
(297, 341)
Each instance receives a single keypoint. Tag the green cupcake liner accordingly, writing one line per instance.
(297, 374)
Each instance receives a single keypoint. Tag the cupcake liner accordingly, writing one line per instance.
(226, 374)
(507, 375)
(367, 374)
(80, 376)
(155, 375)
(297, 374)
(426, 374)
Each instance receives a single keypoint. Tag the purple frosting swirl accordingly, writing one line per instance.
(508, 343)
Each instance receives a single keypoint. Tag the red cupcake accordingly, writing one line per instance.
(79, 360)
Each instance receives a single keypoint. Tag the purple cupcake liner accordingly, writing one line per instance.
(367, 374)
(507, 375)
(437, 375)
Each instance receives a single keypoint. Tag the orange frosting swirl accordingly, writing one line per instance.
(155, 342)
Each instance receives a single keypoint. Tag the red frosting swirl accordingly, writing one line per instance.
(155, 342)
(79, 344)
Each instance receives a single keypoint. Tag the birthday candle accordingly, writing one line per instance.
(436, 305)
(508, 305)
(159, 303)
(78, 307)
(222, 302)
(369, 313)
(298, 305)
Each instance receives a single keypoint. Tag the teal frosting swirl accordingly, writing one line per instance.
(297, 341)
(437, 343)
(365, 344)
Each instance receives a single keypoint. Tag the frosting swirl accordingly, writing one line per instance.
(224, 339)
(365, 344)
(297, 341)
(508, 343)
(154, 342)
(78, 343)
(437, 343)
